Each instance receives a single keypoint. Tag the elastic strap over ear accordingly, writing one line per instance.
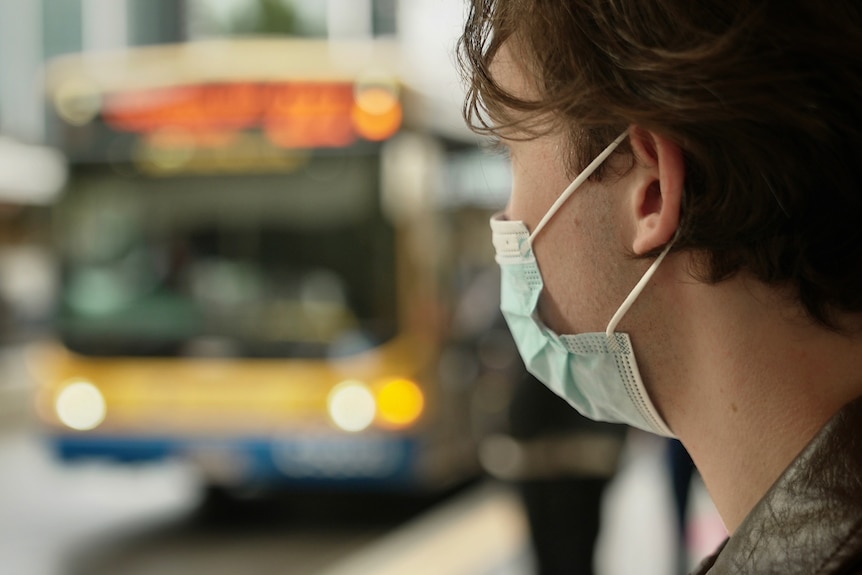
(636, 291)
(582, 177)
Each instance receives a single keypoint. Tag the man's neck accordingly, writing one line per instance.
(759, 381)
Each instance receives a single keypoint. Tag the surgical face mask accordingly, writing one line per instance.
(595, 372)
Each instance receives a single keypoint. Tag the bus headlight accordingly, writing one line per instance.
(351, 405)
(400, 402)
(80, 405)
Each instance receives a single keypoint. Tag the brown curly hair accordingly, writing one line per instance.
(763, 96)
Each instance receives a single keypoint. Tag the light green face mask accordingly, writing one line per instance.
(595, 372)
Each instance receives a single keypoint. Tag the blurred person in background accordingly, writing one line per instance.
(687, 192)
(681, 470)
(568, 462)
(561, 464)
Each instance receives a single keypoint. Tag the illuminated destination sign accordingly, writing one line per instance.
(291, 115)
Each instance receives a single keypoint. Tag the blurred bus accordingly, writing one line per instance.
(254, 278)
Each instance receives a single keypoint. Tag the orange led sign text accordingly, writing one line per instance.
(292, 115)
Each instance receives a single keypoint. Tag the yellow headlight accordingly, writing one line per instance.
(400, 402)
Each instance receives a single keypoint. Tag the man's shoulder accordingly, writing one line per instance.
(810, 521)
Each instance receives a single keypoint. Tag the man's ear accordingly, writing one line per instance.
(657, 197)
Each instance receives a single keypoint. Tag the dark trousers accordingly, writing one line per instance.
(563, 516)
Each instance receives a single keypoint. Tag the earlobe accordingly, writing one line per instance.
(657, 197)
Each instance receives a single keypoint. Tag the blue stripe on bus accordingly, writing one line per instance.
(357, 460)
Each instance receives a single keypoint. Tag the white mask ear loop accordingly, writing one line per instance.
(578, 181)
(636, 291)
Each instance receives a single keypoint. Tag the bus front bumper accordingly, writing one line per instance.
(313, 460)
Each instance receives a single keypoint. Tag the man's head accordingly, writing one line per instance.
(761, 97)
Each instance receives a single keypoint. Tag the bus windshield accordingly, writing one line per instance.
(297, 264)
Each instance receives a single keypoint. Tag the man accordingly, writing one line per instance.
(687, 204)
